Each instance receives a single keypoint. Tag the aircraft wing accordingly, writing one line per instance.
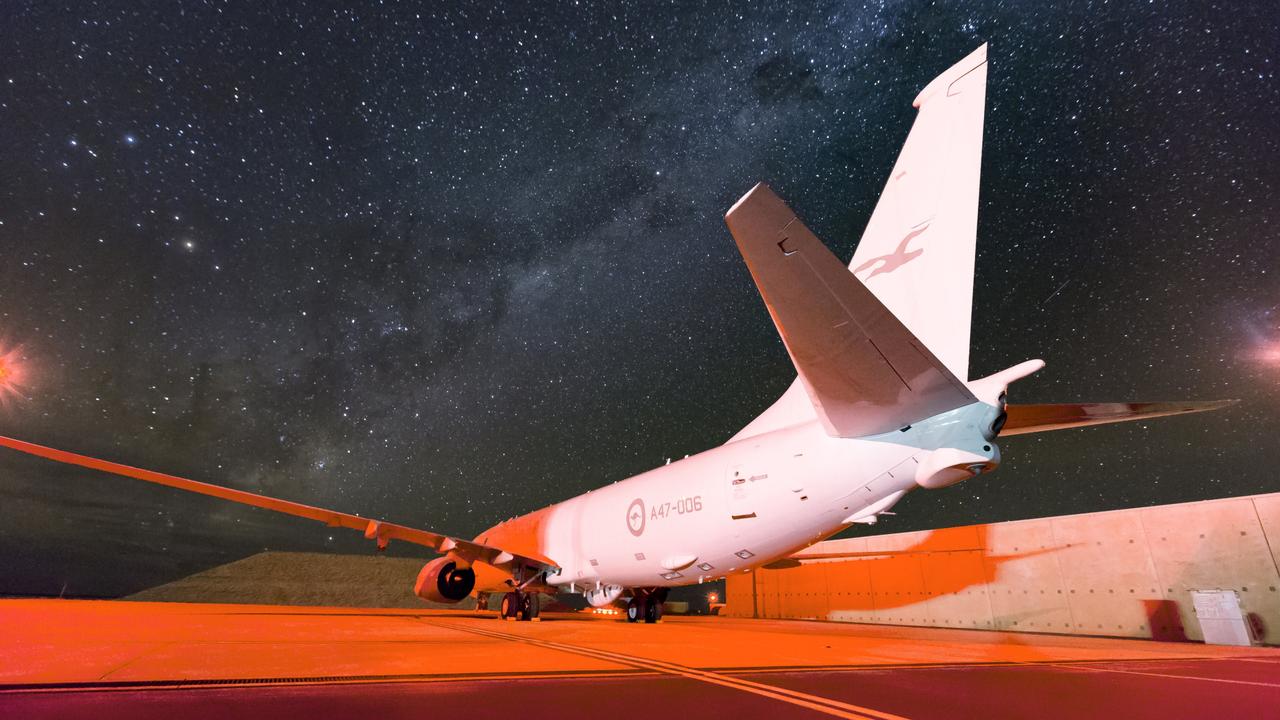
(1058, 416)
(377, 530)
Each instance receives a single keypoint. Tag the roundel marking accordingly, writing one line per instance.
(635, 517)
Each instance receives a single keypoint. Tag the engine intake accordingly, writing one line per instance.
(442, 581)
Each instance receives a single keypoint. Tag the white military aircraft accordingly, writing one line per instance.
(882, 404)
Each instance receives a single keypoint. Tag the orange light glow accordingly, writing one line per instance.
(14, 375)
(1268, 354)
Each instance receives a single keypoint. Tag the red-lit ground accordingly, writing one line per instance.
(113, 659)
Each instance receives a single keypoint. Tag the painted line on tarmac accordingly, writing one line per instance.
(97, 686)
(1163, 675)
(956, 665)
(812, 702)
(1264, 661)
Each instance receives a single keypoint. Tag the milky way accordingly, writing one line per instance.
(447, 264)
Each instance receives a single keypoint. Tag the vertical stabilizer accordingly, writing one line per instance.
(917, 253)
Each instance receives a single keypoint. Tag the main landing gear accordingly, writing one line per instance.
(519, 606)
(646, 606)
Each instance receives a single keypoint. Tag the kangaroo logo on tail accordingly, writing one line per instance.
(895, 259)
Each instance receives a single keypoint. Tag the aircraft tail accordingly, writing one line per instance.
(885, 343)
(916, 256)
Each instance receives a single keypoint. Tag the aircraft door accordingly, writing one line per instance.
(742, 492)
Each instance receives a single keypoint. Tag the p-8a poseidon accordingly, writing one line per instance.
(882, 404)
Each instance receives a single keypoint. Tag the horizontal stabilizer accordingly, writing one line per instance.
(1058, 416)
(865, 373)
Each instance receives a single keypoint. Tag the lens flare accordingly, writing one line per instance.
(14, 375)
(1267, 354)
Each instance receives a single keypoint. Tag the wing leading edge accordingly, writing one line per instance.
(376, 530)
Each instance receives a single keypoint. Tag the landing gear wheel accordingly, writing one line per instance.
(652, 610)
(635, 609)
(520, 606)
(510, 605)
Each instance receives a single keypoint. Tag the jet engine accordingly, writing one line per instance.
(442, 581)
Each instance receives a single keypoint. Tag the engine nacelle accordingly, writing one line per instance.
(442, 581)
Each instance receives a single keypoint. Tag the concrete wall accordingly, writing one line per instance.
(1121, 573)
(297, 578)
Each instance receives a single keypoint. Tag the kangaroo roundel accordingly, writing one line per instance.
(635, 517)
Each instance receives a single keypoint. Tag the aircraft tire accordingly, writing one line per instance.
(652, 610)
(635, 609)
(510, 605)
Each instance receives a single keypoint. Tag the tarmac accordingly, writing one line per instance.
(105, 659)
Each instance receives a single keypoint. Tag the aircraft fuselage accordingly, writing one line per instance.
(733, 507)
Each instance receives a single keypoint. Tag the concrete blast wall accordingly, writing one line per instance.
(1122, 573)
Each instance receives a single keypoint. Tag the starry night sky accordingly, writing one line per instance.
(444, 264)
